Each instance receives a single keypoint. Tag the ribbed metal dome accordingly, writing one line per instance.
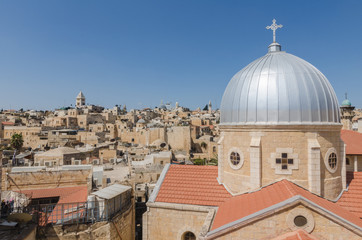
(279, 88)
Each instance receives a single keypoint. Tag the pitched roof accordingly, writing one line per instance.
(246, 204)
(65, 194)
(296, 235)
(80, 95)
(352, 199)
(190, 184)
(353, 140)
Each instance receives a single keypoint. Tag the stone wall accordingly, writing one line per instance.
(172, 222)
(179, 138)
(292, 140)
(281, 222)
(45, 179)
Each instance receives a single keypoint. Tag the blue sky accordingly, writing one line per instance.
(139, 52)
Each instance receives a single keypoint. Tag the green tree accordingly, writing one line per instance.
(17, 141)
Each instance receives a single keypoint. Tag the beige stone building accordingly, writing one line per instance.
(282, 166)
(347, 114)
(30, 134)
(58, 157)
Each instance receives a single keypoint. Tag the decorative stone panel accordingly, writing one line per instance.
(278, 158)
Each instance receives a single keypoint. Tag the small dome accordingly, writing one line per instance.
(346, 103)
(279, 88)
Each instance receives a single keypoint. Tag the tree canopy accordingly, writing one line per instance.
(17, 141)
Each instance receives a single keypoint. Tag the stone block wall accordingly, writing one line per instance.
(45, 179)
(267, 227)
(293, 140)
(167, 223)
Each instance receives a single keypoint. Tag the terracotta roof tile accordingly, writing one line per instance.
(65, 194)
(190, 184)
(352, 199)
(8, 123)
(296, 235)
(353, 140)
(243, 205)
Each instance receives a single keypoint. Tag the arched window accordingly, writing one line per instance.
(188, 236)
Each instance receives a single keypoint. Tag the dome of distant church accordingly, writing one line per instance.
(346, 103)
(279, 88)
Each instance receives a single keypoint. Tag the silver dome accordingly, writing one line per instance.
(279, 88)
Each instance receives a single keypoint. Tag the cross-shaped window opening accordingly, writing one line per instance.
(284, 161)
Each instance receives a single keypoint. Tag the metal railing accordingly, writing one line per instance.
(70, 213)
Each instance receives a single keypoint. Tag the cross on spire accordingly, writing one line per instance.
(274, 27)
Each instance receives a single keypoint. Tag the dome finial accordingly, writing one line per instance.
(274, 27)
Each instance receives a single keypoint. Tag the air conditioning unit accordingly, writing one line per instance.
(49, 164)
(96, 162)
(77, 162)
(111, 160)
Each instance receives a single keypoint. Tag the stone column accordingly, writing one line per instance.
(255, 163)
(343, 168)
(314, 166)
(355, 164)
(220, 158)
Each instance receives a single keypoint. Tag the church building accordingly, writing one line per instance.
(281, 163)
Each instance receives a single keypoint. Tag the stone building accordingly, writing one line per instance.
(281, 169)
(80, 100)
(347, 114)
(353, 140)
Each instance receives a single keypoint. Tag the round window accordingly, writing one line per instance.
(300, 221)
(189, 236)
(235, 158)
(332, 161)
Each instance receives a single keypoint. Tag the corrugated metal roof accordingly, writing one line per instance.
(76, 167)
(28, 169)
(111, 191)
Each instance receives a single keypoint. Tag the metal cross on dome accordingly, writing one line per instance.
(274, 27)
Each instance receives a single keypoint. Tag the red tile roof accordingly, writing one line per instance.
(352, 199)
(65, 194)
(190, 184)
(243, 205)
(296, 235)
(71, 203)
(353, 140)
(8, 123)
